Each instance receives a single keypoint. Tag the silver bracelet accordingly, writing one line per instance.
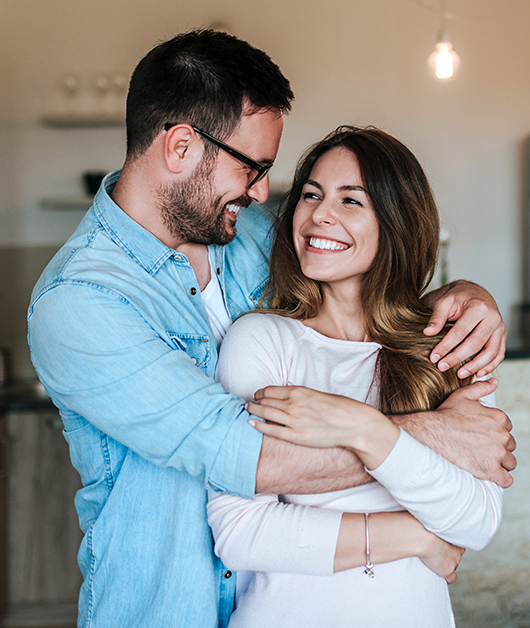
(369, 568)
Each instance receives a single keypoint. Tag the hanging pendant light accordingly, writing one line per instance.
(444, 60)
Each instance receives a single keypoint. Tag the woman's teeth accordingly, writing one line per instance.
(330, 245)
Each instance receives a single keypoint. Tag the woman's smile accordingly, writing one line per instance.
(324, 244)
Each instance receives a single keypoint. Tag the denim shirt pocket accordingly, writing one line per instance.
(195, 345)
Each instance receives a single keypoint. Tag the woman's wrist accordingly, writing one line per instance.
(373, 438)
(393, 536)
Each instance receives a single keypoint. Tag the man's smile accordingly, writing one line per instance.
(232, 209)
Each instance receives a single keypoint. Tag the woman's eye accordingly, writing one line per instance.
(307, 196)
(351, 201)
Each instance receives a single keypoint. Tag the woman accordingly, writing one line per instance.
(354, 250)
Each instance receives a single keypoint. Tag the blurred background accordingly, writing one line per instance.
(64, 68)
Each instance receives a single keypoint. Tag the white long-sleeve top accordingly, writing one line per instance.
(288, 542)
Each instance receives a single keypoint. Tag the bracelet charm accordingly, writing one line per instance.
(368, 568)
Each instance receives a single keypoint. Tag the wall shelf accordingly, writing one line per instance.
(82, 120)
(67, 203)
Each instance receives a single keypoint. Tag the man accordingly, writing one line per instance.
(125, 324)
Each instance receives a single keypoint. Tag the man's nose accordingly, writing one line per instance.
(259, 192)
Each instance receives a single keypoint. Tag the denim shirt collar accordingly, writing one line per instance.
(138, 242)
(241, 292)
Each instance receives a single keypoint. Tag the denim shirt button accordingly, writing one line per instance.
(228, 574)
(193, 291)
(194, 360)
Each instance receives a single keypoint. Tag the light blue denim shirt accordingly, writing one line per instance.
(121, 340)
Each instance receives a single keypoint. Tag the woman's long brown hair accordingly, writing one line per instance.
(395, 315)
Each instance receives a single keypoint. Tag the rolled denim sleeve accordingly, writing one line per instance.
(99, 359)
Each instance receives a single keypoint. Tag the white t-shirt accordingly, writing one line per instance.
(213, 301)
(289, 543)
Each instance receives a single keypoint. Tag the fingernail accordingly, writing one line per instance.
(435, 357)
(252, 422)
(443, 366)
(464, 373)
(481, 373)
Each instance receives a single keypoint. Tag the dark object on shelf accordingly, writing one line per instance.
(92, 180)
(5, 367)
(24, 396)
(525, 324)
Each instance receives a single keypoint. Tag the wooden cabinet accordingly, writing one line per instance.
(41, 578)
(3, 515)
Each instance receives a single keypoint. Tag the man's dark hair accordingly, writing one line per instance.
(203, 78)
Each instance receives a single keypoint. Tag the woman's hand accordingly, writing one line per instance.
(479, 328)
(442, 557)
(308, 417)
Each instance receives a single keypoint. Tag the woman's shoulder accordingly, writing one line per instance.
(256, 352)
(266, 323)
(262, 333)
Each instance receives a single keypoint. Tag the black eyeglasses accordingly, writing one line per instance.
(261, 169)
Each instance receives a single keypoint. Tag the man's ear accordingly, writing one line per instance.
(183, 149)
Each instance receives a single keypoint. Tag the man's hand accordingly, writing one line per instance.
(468, 434)
(479, 328)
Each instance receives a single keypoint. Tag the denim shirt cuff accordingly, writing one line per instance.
(236, 474)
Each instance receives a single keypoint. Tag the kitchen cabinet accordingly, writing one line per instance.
(40, 567)
(3, 516)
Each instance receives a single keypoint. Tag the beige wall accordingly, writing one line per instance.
(360, 61)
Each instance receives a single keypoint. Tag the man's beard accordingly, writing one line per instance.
(191, 212)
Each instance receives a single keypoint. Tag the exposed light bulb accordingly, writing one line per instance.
(444, 60)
